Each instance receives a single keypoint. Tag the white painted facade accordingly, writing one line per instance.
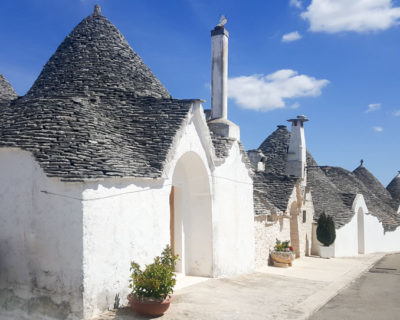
(72, 243)
(295, 225)
(40, 237)
(363, 234)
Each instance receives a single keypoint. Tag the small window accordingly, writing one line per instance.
(304, 216)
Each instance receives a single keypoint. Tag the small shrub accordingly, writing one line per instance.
(326, 233)
(157, 280)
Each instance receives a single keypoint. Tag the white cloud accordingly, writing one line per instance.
(268, 92)
(397, 113)
(351, 15)
(373, 107)
(296, 3)
(378, 129)
(292, 36)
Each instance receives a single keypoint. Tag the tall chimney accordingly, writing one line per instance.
(296, 160)
(219, 73)
(219, 123)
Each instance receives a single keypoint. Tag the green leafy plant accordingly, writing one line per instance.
(326, 233)
(157, 280)
(283, 246)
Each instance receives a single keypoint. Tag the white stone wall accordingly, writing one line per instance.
(376, 240)
(363, 234)
(40, 238)
(266, 233)
(128, 220)
(233, 217)
(305, 228)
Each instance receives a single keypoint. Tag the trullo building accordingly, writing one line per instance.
(99, 165)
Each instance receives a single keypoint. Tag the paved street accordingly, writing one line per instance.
(269, 293)
(375, 295)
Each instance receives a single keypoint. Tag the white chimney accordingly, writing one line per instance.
(297, 152)
(219, 123)
(219, 73)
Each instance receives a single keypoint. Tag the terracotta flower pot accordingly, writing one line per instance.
(150, 307)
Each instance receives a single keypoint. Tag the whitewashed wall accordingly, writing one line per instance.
(128, 220)
(363, 234)
(266, 234)
(40, 238)
(233, 217)
(376, 240)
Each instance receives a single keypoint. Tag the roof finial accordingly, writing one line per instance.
(97, 9)
(222, 21)
(361, 163)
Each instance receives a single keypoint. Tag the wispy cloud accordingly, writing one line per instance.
(397, 113)
(333, 16)
(296, 3)
(269, 92)
(373, 107)
(292, 36)
(378, 129)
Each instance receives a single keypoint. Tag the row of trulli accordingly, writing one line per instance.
(99, 165)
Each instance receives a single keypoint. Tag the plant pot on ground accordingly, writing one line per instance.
(326, 234)
(283, 254)
(152, 288)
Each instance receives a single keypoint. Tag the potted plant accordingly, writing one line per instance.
(152, 287)
(283, 254)
(326, 234)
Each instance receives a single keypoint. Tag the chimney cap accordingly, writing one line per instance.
(281, 126)
(219, 30)
(302, 118)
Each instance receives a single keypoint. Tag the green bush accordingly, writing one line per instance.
(326, 233)
(157, 280)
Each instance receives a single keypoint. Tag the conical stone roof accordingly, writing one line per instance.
(374, 185)
(7, 93)
(96, 110)
(394, 188)
(275, 148)
(378, 204)
(96, 59)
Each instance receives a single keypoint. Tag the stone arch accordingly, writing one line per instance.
(294, 229)
(360, 231)
(191, 216)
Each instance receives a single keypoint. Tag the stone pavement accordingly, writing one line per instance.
(268, 293)
(375, 295)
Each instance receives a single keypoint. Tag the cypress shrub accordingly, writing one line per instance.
(326, 233)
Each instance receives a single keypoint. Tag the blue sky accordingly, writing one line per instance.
(336, 61)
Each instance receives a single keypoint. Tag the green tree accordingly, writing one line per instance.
(326, 233)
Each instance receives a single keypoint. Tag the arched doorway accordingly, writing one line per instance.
(360, 233)
(191, 219)
(294, 229)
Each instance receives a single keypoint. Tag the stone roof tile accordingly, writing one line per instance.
(394, 188)
(275, 148)
(275, 187)
(96, 58)
(99, 137)
(378, 206)
(7, 93)
(374, 185)
(326, 196)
